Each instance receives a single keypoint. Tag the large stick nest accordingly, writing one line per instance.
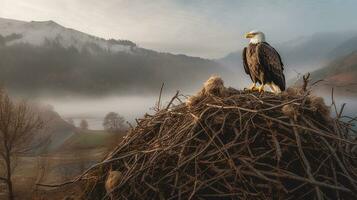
(230, 144)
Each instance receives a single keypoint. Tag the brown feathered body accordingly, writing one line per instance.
(263, 64)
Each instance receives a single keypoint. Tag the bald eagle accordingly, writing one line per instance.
(263, 63)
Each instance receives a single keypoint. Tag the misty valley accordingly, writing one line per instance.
(95, 110)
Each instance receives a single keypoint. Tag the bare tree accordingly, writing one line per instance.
(114, 123)
(18, 128)
(84, 124)
(71, 122)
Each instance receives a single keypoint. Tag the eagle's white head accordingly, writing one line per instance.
(255, 37)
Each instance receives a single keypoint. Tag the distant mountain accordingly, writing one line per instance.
(348, 46)
(304, 54)
(39, 58)
(37, 33)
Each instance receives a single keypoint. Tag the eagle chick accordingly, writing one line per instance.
(213, 86)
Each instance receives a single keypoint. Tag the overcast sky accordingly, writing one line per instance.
(206, 28)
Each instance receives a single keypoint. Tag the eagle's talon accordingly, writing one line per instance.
(252, 87)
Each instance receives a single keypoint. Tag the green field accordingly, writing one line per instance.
(83, 139)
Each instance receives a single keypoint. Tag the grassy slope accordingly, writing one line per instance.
(87, 139)
(340, 74)
(346, 65)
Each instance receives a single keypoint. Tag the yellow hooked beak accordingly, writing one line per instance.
(249, 35)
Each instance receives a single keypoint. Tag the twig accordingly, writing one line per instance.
(159, 101)
(172, 99)
(306, 79)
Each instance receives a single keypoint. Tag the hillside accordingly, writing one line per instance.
(57, 129)
(340, 74)
(38, 58)
(90, 139)
(348, 46)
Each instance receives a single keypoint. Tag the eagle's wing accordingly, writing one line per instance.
(245, 63)
(273, 66)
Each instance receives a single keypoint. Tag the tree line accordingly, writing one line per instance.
(112, 123)
(91, 70)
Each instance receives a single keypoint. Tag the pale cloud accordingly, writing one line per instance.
(209, 28)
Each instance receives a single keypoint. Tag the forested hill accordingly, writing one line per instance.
(45, 57)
